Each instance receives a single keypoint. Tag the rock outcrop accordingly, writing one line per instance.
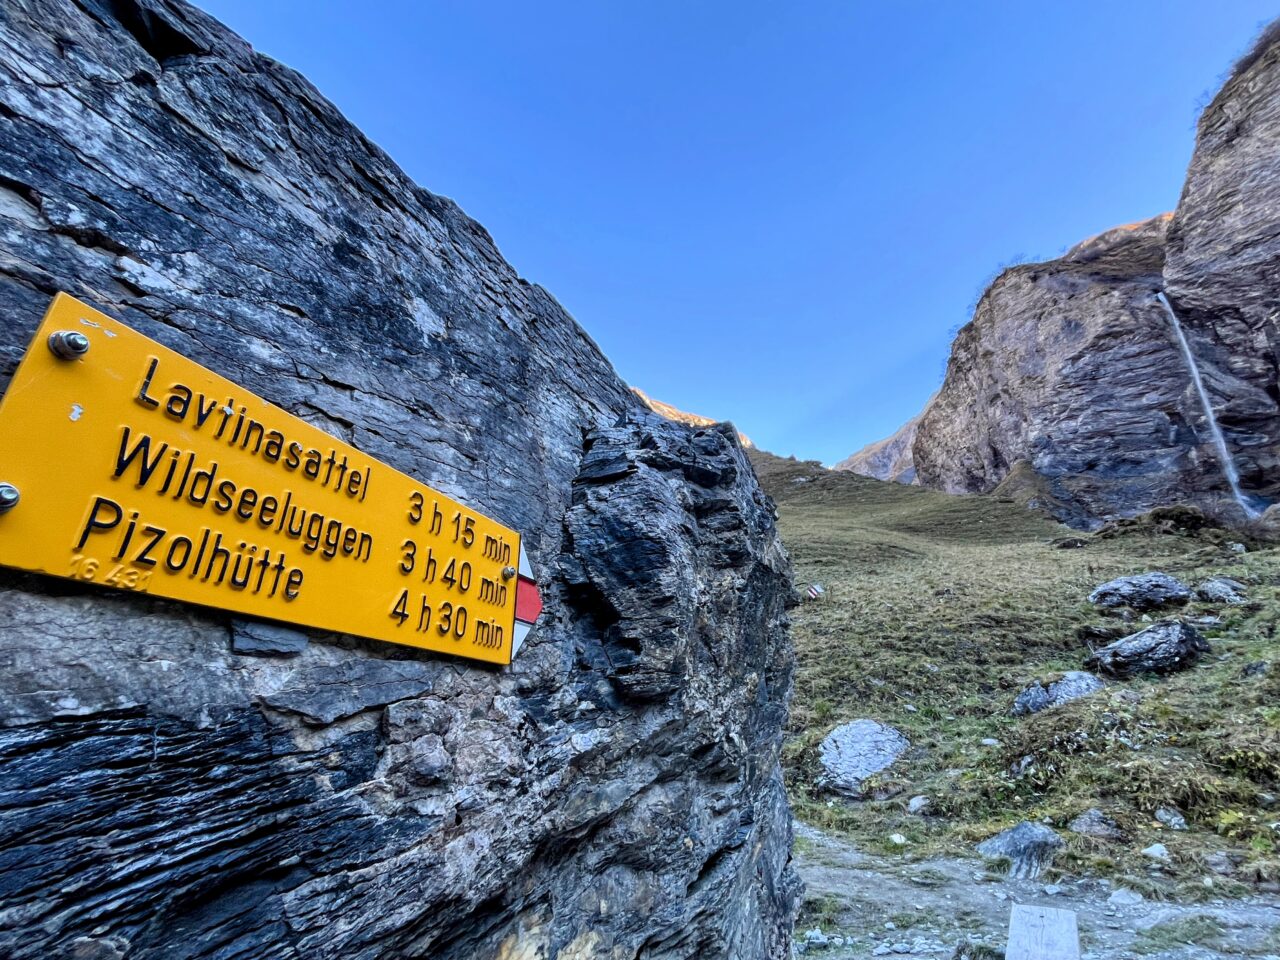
(181, 783)
(1070, 379)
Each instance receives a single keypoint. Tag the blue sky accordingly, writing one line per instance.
(774, 213)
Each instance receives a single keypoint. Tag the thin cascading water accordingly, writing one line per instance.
(1219, 441)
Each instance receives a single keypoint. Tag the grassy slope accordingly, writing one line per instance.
(951, 605)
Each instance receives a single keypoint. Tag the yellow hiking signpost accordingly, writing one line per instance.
(128, 465)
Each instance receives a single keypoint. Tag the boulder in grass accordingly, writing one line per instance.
(1029, 848)
(1043, 695)
(1144, 591)
(852, 752)
(1163, 647)
(1221, 590)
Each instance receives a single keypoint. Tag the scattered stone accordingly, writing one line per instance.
(890, 925)
(852, 752)
(897, 839)
(1145, 591)
(1163, 647)
(1041, 695)
(911, 708)
(1221, 590)
(1171, 818)
(1029, 848)
(1124, 897)
(1157, 851)
(1095, 823)
(1221, 863)
(881, 951)
(1237, 548)
(990, 742)
(1023, 765)
(816, 938)
(901, 948)
(1052, 889)
(919, 805)
(1255, 669)
(261, 639)
(1069, 543)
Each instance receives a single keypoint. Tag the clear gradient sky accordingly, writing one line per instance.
(774, 213)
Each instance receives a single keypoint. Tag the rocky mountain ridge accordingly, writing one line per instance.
(677, 415)
(1069, 382)
(182, 783)
(892, 458)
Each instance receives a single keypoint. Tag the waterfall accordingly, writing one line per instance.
(1219, 441)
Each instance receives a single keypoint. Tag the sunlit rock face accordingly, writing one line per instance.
(182, 783)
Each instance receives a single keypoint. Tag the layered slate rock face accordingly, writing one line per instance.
(178, 783)
(1068, 388)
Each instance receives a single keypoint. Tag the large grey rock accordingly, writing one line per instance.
(1163, 647)
(615, 793)
(1029, 848)
(852, 752)
(1072, 685)
(1143, 591)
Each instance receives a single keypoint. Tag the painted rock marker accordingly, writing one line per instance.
(130, 466)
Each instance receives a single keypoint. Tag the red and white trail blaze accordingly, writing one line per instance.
(528, 603)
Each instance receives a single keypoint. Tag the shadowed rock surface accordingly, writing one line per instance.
(178, 783)
(1161, 648)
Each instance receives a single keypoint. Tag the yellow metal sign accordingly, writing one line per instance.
(138, 469)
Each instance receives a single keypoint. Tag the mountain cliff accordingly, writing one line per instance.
(181, 783)
(1070, 382)
(889, 459)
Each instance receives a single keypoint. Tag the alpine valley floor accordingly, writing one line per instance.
(939, 610)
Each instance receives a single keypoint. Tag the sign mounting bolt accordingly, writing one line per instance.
(8, 497)
(68, 344)
(508, 573)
